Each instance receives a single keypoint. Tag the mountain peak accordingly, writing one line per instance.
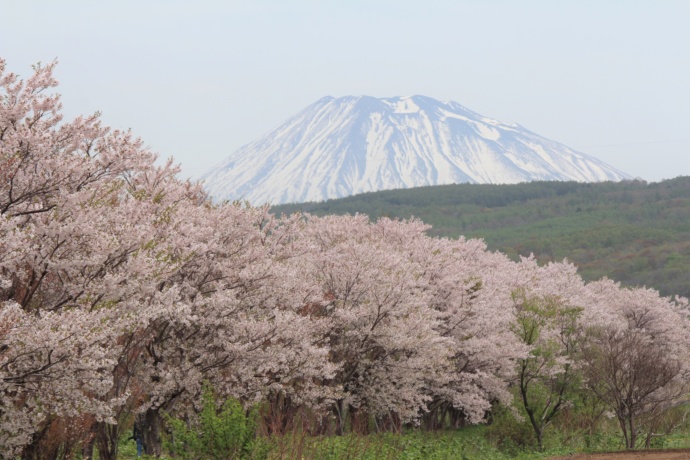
(353, 144)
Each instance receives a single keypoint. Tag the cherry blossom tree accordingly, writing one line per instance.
(235, 320)
(94, 233)
(548, 306)
(381, 333)
(469, 287)
(57, 251)
(637, 363)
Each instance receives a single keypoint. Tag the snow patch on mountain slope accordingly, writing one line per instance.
(340, 147)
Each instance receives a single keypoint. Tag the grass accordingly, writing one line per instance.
(469, 443)
(505, 438)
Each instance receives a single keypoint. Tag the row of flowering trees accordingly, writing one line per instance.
(123, 289)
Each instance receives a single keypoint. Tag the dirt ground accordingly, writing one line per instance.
(672, 454)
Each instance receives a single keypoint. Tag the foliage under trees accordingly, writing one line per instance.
(126, 293)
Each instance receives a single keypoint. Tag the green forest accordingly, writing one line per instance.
(634, 232)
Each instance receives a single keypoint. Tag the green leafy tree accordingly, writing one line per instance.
(546, 376)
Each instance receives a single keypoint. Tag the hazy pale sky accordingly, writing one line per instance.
(199, 79)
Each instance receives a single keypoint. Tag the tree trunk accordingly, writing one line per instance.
(281, 415)
(89, 442)
(31, 451)
(390, 422)
(107, 437)
(359, 418)
(339, 417)
(151, 432)
(458, 418)
(87, 449)
(435, 418)
(633, 433)
(36, 449)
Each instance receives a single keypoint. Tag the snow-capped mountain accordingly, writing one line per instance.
(350, 145)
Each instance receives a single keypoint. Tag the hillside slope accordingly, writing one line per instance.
(633, 232)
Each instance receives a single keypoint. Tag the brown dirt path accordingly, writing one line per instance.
(671, 454)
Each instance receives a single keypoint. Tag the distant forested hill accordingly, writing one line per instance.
(634, 232)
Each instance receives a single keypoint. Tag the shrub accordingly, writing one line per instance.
(225, 433)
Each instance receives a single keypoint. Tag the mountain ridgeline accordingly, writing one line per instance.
(634, 232)
(339, 147)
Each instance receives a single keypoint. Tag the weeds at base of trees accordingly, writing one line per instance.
(229, 431)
